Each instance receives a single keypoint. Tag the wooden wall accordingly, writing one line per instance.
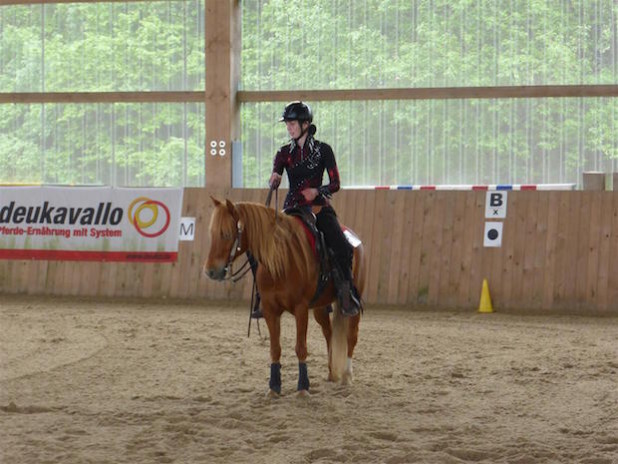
(425, 249)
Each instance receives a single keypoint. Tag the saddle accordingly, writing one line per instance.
(308, 219)
(322, 252)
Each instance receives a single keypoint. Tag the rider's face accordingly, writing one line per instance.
(294, 129)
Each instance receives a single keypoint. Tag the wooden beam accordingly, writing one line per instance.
(438, 93)
(219, 92)
(102, 97)
(235, 60)
(593, 180)
(245, 96)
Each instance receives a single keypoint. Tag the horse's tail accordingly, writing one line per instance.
(339, 344)
(345, 332)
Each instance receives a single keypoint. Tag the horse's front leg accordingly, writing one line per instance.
(301, 313)
(273, 321)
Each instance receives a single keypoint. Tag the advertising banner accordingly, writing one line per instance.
(90, 223)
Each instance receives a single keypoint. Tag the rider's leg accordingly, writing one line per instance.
(342, 260)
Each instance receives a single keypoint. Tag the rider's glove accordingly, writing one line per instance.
(324, 191)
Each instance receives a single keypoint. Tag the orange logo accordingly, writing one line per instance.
(151, 220)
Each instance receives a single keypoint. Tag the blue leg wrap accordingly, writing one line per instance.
(303, 377)
(275, 377)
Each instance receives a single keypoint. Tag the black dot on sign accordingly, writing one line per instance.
(492, 234)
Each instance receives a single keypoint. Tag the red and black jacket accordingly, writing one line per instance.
(305, 167)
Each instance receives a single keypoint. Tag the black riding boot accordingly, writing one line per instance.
(256, 311)
(349, 302)
(341, 261)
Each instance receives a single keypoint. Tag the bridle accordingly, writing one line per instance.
(234, 251)
(236, 247)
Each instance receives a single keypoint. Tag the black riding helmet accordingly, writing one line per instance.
(297, 111)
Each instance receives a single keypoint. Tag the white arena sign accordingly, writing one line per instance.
(90, 223)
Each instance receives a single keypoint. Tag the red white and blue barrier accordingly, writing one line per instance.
(490, 187)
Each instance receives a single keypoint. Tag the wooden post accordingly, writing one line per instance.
(615, 181)
(222, 57)
(594, 181)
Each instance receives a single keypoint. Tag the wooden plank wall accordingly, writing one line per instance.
(425, 249)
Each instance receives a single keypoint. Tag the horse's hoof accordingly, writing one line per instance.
(346, 378)
(303, 393)
(272, 394)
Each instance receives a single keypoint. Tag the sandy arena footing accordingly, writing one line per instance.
(142, 382)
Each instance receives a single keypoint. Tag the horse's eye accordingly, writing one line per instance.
(226, 236)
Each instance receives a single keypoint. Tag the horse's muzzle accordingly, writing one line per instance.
(215, 273)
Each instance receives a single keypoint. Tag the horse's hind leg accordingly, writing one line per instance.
(352, 337)
(321, 315)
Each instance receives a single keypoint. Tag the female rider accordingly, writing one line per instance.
(305, 159)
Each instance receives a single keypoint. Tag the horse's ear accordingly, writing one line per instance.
(232, 209)
(215, 201)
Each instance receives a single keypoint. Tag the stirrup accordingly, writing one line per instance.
(356, 299)
(256, 313)
(347, 303)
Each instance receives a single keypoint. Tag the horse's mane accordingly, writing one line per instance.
(280, 243)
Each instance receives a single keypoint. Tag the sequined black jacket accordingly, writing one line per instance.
(305, 168)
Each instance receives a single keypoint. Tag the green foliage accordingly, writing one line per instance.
(438, 43)
(100, 48)
(322, 44)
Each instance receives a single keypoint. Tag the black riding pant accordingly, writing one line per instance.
(328, 224)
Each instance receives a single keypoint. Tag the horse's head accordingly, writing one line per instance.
(225, 239)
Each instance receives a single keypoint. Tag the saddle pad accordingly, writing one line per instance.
(351, 237)
(310, 235)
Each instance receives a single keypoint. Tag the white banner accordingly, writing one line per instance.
(90, 223)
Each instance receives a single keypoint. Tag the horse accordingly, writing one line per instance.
(287, 278)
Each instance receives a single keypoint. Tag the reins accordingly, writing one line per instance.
(254, 286)
(269, 198)
(240, 273)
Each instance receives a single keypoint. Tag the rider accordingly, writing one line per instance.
(305, 159)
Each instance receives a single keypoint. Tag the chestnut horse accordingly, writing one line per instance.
(287, 278)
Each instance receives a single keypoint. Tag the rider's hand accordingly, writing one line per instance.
(310, 193)
(275, 180)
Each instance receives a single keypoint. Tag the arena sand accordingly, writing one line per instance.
(86, 381)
